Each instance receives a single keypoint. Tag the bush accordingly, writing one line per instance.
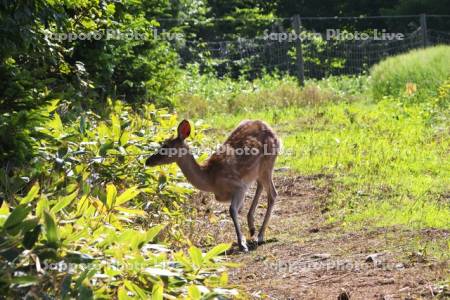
(86, 220)
(412, 76)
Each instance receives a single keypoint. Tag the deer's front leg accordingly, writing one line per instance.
(236, 203)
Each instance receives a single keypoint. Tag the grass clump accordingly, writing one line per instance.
(412, 76)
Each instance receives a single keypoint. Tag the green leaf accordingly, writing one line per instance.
(83, 204)
(4, 213)
(124, 138)
(25, 226)
(51, 230)
(56, 125)
(41, 206)
(87, 274)
(219, 249)
(131, 211)
(128, 195)
(34, 191)
(65, 286)
(63, 202)
(135, 288)
(104, 148)
(4, 209)
(122, 294)
(17, 216)
(52, 105)
(78, 257)
(182, 259)
(223, 280)
(153, 232)
(115, 127)
(111, 194)
(194, 292)
(157, 291)
(30, 238)
(25, 280)
(196, 256)
(85, 292)
(83, 125)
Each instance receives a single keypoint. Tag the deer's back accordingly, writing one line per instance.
(247, 148)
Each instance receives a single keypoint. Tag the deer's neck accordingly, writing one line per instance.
(194, 173)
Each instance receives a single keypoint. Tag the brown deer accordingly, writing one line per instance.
(247, 155)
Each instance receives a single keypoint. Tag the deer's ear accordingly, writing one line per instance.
(184, 129)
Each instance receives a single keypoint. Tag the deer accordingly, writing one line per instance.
(246, 156)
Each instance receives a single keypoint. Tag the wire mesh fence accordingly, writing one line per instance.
(328, 46)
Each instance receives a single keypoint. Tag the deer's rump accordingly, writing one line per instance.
(252, 143)
(254, 136)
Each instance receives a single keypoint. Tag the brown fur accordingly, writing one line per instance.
(224, 164)
(228, 173)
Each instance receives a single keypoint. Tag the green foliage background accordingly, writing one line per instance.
(39, 65)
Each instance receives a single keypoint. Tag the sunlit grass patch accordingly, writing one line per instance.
(389, 160)
(414, 214)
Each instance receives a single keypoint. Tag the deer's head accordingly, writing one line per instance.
(172, 149)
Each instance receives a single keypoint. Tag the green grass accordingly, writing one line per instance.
(423, 69)
(390, 165)
(388, 157)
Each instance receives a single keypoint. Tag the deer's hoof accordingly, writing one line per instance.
(260, 240)
(243, 247)
(252, 244)
(254, 240)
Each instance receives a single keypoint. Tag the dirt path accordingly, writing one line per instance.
(307, 259)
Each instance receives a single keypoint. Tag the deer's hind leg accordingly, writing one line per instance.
(251, 211)
(267, 182)
(236, 203)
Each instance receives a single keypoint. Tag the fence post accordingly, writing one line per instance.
(297, 24)
(423, 28)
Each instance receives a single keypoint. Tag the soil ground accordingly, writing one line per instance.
(306, 257)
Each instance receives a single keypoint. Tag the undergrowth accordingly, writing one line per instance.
(85, 219)
(203, 95)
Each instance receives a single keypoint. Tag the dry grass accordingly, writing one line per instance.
(285, 95)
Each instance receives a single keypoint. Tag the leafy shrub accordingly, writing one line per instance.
(412, 76)
(38, 65)
(16, 132)
(85, 219)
